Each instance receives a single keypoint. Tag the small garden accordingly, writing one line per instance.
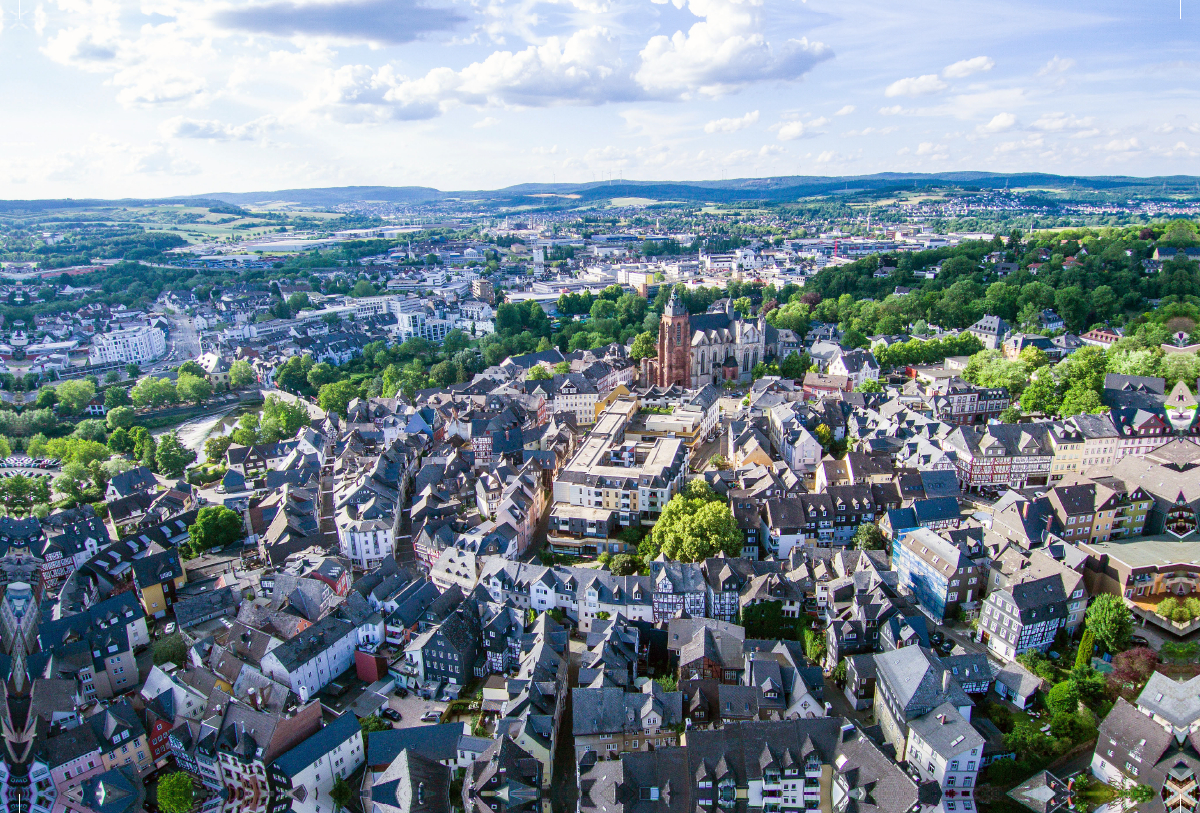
(1180, 612)
(1063, 720)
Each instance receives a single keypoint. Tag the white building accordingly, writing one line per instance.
(137, 345)
(309, 661)
(307, 772)
(945, 748)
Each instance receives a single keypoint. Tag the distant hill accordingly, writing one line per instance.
(780, 188)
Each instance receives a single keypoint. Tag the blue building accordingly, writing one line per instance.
(941, 575)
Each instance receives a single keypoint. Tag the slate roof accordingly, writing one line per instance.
(341, 730)
(435, 742)
(1176, 702)
(412, 784)
(915, 677)
(946, 731)
(297, 651)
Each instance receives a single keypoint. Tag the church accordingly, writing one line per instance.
(708, 348)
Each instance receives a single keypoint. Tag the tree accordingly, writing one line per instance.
(191, 368)
(695, 525)
(215, 527)
(292, 416)
(175, 793)
(720, 462)
(5, 447)
(1083, 657)
(121, 417)
(336, 397)
(321, 374)
(1063, 698)
(539, 373)
(171, 457)
(824, 436)
(132, 370)
(241, 374)
(814, 644)
(625, 564)
(116, 397)
(372, 723)
(1131, 670)
(839, 671)
(341, 793)
(1110, 621)
(47, 397)
(644, 346)
(794, 366)
(171, 649)
(73, 396)
(869, 537)
(443, 374)
(91, 429)
(1078, 401)
(870, 385)
(216, 446)
(668, 683)
(193, 388)
(153, 392)
(119, 441)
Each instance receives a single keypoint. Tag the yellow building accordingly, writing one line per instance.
(158, 578)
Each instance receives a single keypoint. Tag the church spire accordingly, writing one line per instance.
(674, 305)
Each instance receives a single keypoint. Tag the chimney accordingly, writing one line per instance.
(947, 681)
(942, 719)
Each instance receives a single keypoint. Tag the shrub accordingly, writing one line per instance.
(1063, 698)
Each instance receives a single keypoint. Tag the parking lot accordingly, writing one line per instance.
(412, 707)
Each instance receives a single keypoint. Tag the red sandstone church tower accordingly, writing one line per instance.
(674, 345)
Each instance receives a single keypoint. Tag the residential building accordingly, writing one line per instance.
(1023, 616)
(991, 330)
(304, 776)
(612, 721)
(945, 577)
(158, 578)
(789, 765)
(309, 661)
(136, 345)
(611, 483)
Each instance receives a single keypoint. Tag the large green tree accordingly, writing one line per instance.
(695, 525)
(171, 457)
(1110, 621)
(175, 793)
(215, 527)
(74, 395)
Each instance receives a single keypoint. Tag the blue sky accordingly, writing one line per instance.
(112, 98)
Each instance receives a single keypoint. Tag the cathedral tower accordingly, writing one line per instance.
(674, 345)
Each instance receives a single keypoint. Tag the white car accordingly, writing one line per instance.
(169, 629)
(431, 716)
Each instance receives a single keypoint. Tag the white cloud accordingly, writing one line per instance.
(1122, 145)
(894, 110)
(866, 131)
(791, 130)
(999, 123)
(181, 127)
(583, 69)
(845, 111)
(931, 149)
(915, 86)
(731, 125)
(966, 67)
(771, 150)
(1056, 65)
(1055, 122)
(725, 51)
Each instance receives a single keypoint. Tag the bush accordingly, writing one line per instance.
(170, 650)
(1063, 698)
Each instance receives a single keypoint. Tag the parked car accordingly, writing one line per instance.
(169, 629)
(936, 638)
(1137, 640)
(431, 716)
(391, 714)
(402, 692)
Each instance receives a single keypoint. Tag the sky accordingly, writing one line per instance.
(136, 98)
